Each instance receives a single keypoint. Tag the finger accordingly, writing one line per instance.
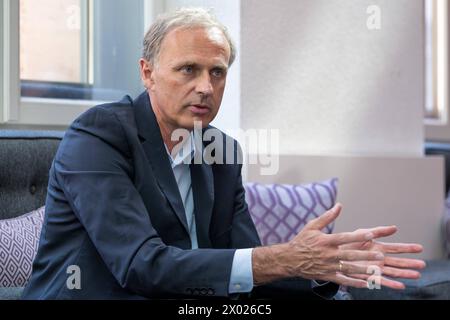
(349, 237)
(405, 263)
(397, 248)
(381, 232)
(378, 232)
(347, 281)
(397, 285)
(353, 268)
(379, 280)
(400, 273)
(325, 219)
(359, 255)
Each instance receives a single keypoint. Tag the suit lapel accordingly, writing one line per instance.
(157, 155)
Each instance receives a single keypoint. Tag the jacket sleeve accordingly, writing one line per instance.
(94, 168)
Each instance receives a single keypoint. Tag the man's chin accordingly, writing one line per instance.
(197, 123)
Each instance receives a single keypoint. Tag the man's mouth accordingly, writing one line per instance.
(199, 109)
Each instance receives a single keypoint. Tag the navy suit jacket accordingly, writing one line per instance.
(113, 209)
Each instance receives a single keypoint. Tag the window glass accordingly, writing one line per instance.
(80, 49)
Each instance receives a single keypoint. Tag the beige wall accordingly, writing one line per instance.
(312, 69)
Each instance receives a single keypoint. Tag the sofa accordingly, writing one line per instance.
(25, 160)
(26, 157)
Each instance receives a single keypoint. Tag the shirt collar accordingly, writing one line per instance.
(185, 153)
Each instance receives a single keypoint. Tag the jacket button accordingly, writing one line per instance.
(211, 292)
(189, 291)
(204, 292)
(196, 292)
(33, 189)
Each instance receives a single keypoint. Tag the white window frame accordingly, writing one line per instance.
(10, 45)
(17, 110)
(439, 129)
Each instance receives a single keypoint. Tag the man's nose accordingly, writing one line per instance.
(204, 85)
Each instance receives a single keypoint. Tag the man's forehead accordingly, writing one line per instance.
(192, 61)
(216, 35)
(193, 36)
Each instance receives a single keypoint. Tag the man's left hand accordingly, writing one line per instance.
(390, 266)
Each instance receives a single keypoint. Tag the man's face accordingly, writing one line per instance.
(188, 80)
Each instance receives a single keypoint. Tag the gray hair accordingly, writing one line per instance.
(182, 18)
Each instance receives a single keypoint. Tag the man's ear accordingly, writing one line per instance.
(146, 70)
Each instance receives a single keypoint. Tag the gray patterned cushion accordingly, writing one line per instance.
(280, 211)
(19, 239)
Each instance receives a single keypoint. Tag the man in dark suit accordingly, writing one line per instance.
(130, 214)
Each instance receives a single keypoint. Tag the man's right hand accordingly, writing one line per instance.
(313, 254)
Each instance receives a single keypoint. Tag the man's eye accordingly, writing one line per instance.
(187, 69)
(217, 73)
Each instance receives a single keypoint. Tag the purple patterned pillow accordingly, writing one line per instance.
(19, 239)
(280, 211)
(447, 224)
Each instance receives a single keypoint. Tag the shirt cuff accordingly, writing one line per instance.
(241, 278)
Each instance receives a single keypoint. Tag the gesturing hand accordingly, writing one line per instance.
(346, 258)
(390, 266)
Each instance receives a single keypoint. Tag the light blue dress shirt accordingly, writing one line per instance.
(241, 279)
